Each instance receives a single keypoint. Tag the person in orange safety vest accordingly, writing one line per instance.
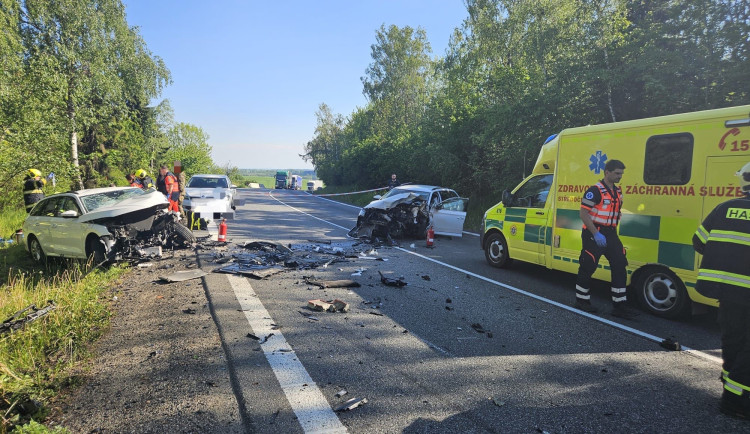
(600, 212)
(172, 188)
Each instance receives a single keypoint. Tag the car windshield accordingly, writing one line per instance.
(198, 182)
(424, 195)
(109, 198)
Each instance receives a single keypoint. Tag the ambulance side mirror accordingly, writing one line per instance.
(507, 198)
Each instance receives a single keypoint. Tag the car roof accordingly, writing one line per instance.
(419, 187)
(205, 175)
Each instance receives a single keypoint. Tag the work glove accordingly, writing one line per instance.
(600, 239)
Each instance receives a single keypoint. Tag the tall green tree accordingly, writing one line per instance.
(188, 144)
(98, 66)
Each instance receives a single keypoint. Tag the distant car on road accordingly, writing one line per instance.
(212, 197)
(409, 210)
(104, 223)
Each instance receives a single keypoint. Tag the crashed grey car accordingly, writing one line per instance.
(409, 210)
(108, 224)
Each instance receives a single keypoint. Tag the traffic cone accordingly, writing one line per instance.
(430, 236)
(223, 231)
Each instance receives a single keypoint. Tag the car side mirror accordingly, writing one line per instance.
(507, 198)
(232, 186)
(377, 197)
(69, 214)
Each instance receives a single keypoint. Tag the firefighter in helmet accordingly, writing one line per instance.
(146, 181)
(724, 241)
(32, 188)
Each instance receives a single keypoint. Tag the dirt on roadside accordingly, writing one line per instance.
(160, 367)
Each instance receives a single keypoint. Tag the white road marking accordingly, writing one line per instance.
(309, 215)
(307, 401)
(648, 336)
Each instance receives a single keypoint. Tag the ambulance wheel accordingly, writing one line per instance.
(496, 250)
(662, 293)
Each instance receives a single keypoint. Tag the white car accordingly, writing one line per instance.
(107, 223)
(409, 210)
(211, 197)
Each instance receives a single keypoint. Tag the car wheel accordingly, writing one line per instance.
(496, 250)
(35, 249)
(95, 250)
(182, 234)
(662, 293)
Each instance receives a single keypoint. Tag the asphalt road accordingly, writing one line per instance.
(539, 366)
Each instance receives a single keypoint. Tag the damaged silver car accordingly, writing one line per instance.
(106, 224)
(408, 211)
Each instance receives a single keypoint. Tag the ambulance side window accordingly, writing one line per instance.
(669, 159)
(534, 193)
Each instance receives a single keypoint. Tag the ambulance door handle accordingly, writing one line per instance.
(540, 213)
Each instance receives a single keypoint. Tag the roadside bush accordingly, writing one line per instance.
(35, 359)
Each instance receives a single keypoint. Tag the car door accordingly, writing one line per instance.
(40, 224)
(67, 233)
(527, 220)
(449, 215)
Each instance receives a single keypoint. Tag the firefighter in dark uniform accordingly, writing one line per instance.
(32, 188)
(724, 241)
(146, 181)
(600, 212)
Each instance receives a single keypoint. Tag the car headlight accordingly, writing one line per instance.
(362, 212)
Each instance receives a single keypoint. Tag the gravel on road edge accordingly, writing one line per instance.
(160, 367)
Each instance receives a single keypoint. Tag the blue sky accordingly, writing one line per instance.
(253, 73)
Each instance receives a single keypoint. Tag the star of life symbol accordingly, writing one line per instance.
(597, 162)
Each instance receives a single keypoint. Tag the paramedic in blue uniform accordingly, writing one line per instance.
(600, 212)
(724, 241)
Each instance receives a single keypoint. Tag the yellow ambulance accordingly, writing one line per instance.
(678, 168)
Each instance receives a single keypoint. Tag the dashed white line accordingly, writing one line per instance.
(307, 401)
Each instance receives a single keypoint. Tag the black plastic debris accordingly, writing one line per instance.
(392, 282)
(478, 328)
(16, 321)
(669, 344)
(346, 283)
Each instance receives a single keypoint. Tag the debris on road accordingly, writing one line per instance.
(341, 393)
(669, 344)
(478, 328)
(180, 276)
(308, 316)
(332, 283)
(351, 404)
(392, 282)
(328, 306)
(16, 322)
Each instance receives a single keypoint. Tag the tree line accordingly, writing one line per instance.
(517, 71)
(76, 82)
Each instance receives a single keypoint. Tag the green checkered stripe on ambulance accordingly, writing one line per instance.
(665, 240)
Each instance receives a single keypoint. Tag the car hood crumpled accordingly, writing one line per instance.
(391, 201)
(152, 201)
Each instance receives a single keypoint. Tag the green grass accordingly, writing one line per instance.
(35, 360)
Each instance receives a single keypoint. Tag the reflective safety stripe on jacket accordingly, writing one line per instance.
(724, 240)
(607, 211)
